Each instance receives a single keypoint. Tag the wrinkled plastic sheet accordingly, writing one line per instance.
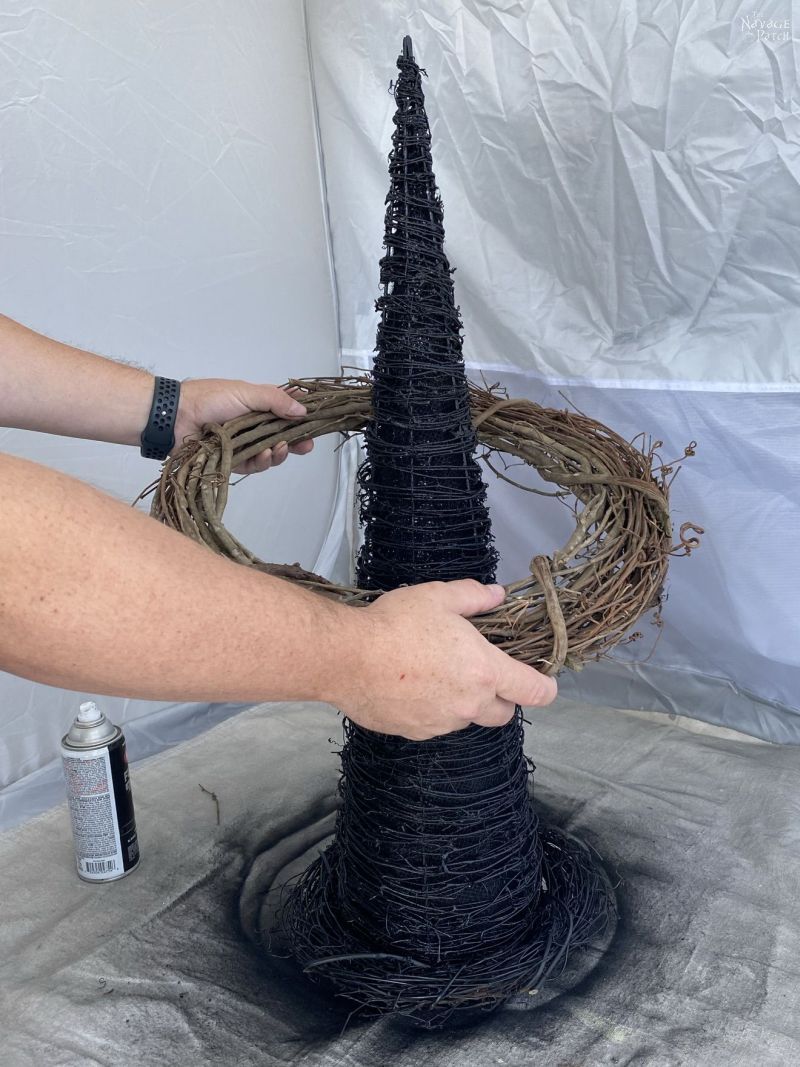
(620, 189)
(699, 830)
(620, 181)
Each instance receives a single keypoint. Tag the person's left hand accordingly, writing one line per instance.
(205, 400)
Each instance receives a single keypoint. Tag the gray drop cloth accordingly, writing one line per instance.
(702, 832)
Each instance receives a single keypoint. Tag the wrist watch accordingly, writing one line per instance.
(158, 436)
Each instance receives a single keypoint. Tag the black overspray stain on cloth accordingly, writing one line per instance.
(214, 938)
(282, 861)
(701, 832)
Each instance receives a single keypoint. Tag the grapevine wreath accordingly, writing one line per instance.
(573, 606)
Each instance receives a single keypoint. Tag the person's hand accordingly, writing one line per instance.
(423, 670)
(205, 400)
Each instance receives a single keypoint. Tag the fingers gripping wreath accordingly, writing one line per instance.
(572, 606)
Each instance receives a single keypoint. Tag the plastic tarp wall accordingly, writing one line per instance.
(161, 202)
(620, 184)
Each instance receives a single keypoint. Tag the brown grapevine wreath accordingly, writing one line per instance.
(573, 606)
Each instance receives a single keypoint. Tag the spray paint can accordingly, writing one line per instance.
(99, 797)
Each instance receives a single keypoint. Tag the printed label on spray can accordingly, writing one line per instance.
(101, 809)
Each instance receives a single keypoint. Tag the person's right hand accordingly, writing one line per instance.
(424, 670)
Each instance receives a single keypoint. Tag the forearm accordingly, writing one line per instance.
(49, 386)
(99, 598)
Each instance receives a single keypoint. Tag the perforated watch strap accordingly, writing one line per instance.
(158, 436)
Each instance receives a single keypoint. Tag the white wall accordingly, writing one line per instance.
(161, 202)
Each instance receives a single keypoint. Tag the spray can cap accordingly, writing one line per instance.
(89, 712)
(89, 728)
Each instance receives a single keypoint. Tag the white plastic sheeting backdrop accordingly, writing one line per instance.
(620, 184)
(161, 202)
(621, 195)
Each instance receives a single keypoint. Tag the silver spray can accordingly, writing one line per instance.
(99, 797)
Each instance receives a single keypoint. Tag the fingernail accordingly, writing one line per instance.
(296, 409)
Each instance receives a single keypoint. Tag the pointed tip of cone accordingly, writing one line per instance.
(408, 48)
